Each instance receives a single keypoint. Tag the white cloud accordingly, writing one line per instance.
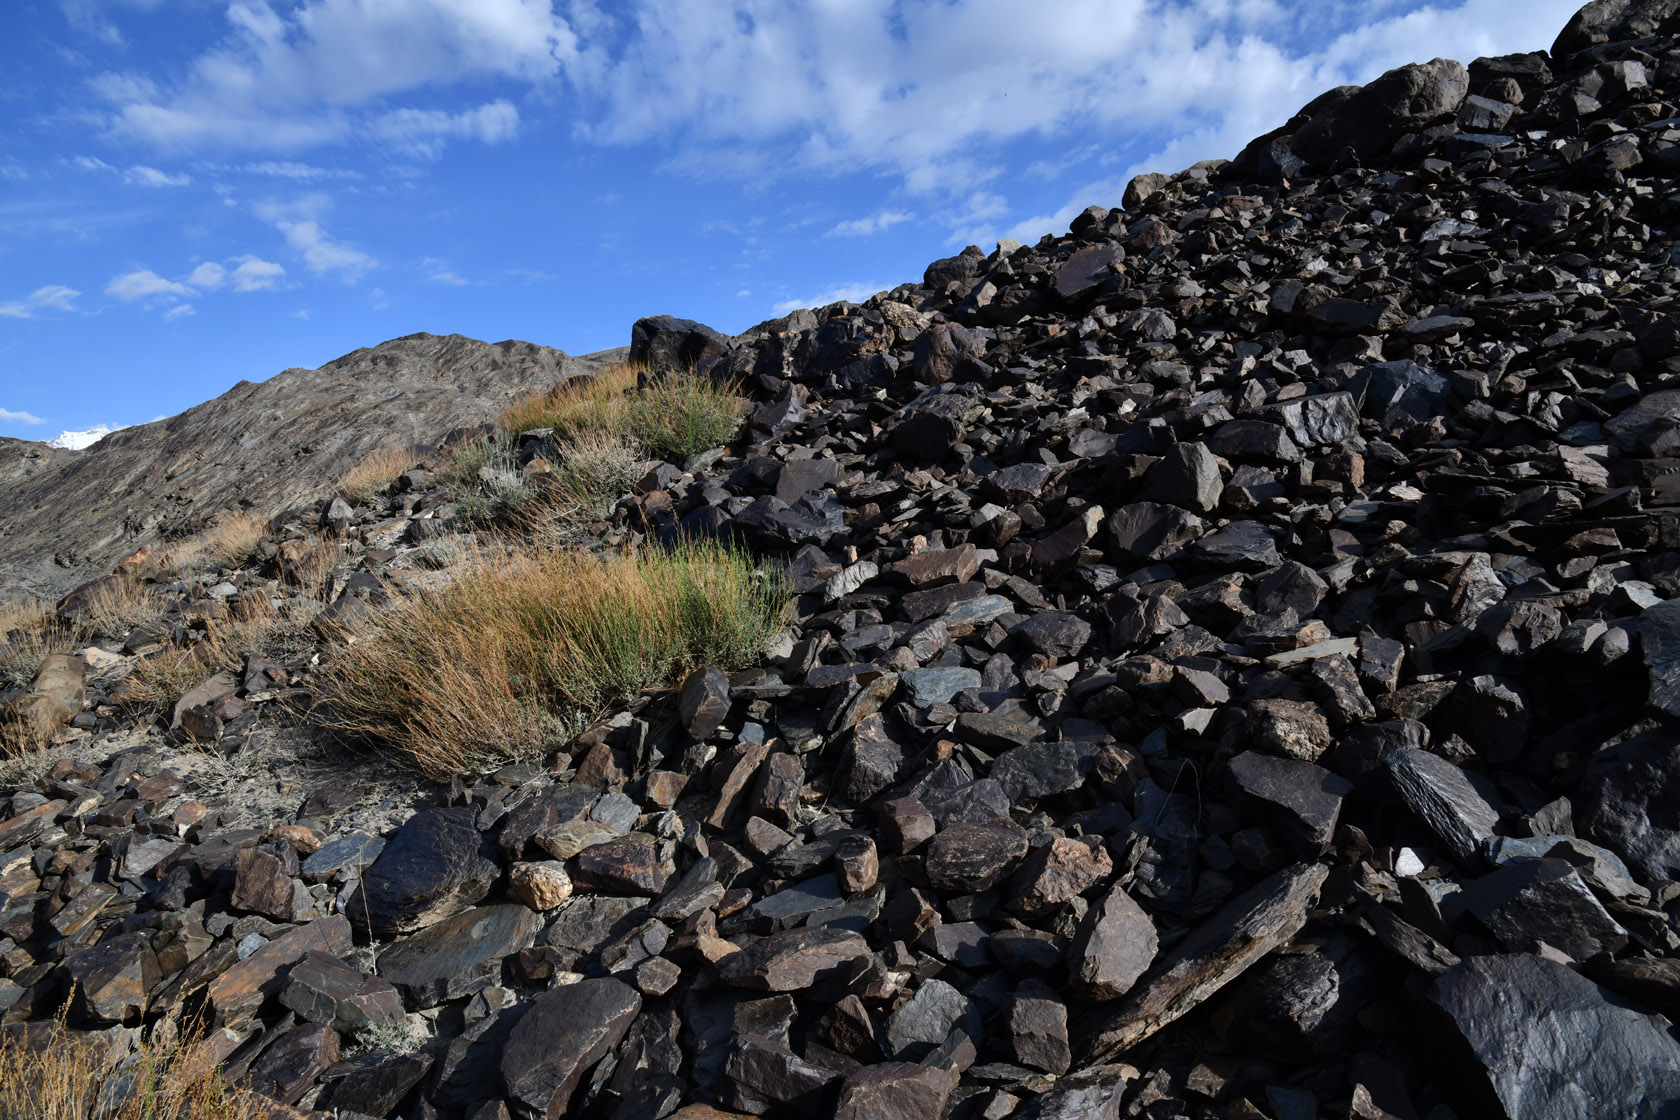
(308, 74)
(253, 274)
(145, 284)
(302, 172)
(439, 272)
(851, 293)
(7, 416)
(873, 224)
(137, 176)
(208, 276)
(142, 176)
(179, 311)
(52, 297)
(300, 222)
(425, 132)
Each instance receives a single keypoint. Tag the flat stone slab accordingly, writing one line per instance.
(1221, 949)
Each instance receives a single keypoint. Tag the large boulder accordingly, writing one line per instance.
(666, 342)
(1548, 1044)
(1606, 21)
(1371, 120)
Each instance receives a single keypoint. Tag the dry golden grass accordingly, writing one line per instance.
(674, 417)
(28, 635)
(256, 628)
(374, 472)
(71, 1076)
(522, 650)
(120, 605)
(595, 404)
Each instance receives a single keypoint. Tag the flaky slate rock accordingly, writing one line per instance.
(1439, 794)
(894, 1091)
(1216, 952)
(458, 956)
(1544, 900)
(922, 1022)
(113, 978)
(1037, 770)
(435, 865)
(239, 992)
(566, 1031)
(796, 959)
(975, 856)
(1545, 1043)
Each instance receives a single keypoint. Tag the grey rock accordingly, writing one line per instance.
(1544, 900)
(1548, 1044)
(1301, 800)
(1115, 945)
(1439, 794)
(975, 857)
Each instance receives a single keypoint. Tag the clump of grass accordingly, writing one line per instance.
(674, 417)
(72, 1076)
(478, 498)
(678, 417)
(521, 650)
(119, 605)
(234, 538)
(255, 628)
(374, 472)
(29, 634)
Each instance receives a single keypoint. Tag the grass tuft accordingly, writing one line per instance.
(374, 472)
(523, 650)
(60, 1074)
(29, 634)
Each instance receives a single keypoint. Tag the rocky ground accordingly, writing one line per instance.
(1234, 674)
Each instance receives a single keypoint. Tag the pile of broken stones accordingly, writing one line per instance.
(1234, 674)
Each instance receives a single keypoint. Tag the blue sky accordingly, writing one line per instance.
(194, 192)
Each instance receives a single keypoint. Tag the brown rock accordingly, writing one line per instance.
(564, 1034)
(895, 1091)
(238, 993)
(625, 866)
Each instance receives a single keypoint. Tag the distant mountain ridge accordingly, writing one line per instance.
(67, 516)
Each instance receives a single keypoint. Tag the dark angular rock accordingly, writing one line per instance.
(1037, 770)
(373, 1083)
(1546, 1044)
(626, 866)
(1300, 800)
(458, 956)
(113, 978)
(796, 959)
(290, 1065)
(564, 1034)
(1149, 531)
(704, 702)
(975, 857)
(1115, 945)
(1544, 900)
(665, 342)
(435, 866)
(323, 989)
(894, 1091)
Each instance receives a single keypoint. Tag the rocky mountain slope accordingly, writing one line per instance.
(68, 516)
(1233, 674)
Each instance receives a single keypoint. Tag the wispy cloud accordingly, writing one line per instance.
(138, 175)
(144, 284)
(325, 71)
(301, 172)
(248, 274)
(439, 272)
(300, 222)
(425, 132)
(873, 224)
(179, 311)
(52, 297)
(851, 293)
(7, 416)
